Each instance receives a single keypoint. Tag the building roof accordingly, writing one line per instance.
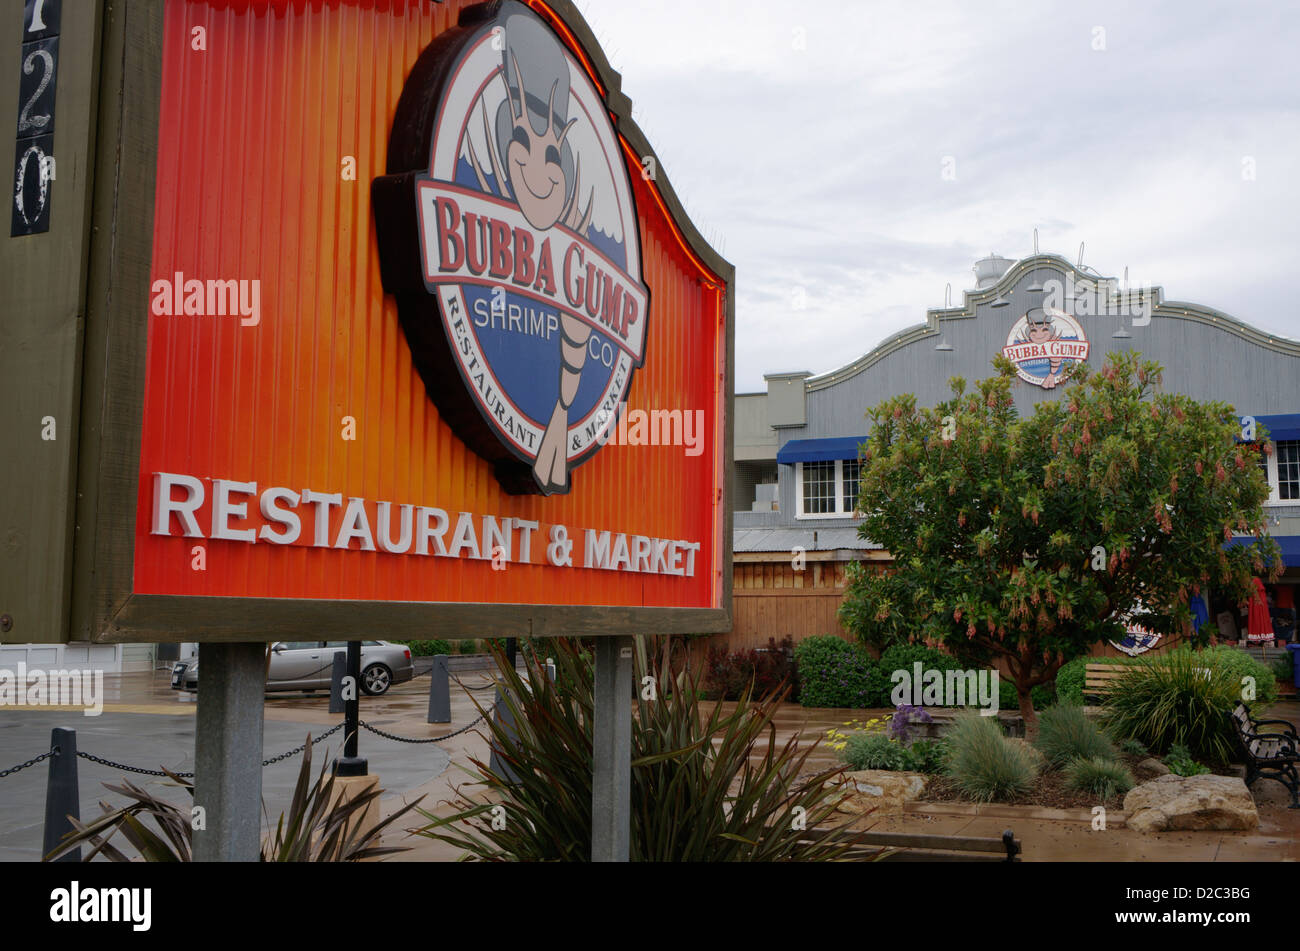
(809, 539)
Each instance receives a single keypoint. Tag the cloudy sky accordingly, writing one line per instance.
(858, 160)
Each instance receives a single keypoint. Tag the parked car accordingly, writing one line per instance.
(308, 665)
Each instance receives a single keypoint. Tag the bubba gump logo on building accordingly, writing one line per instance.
(1044, 344)
(523, 305)
(1138, 639)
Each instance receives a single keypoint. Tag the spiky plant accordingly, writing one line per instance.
(1098, 776)
(1065, 733)
(317, 827)
(713, 786)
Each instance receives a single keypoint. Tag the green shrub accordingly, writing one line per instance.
(428, 648)
(467, 646)
(1098, 776)
(1172, 699)
(1065, 734)
(832, 672)
(1072, 675)
(1133, 747)
(1180, 762)
(878, 751)
(1042, 695)
(874, 751)
(904, 657)
(1240, 664)
(1283, 667)
(983, 764)
(928, 756)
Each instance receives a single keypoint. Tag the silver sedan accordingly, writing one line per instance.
(308, 665)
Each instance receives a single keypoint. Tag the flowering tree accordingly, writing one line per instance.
(1028, 540)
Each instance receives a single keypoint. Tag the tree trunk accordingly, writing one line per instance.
(1027, 713)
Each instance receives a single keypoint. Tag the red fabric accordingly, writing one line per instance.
(1259, 626)
(1284, 596)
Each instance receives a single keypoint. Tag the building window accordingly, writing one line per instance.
(849, 496)
(826, 489)
(1288, 470)
(1282, 469)
(818, 482)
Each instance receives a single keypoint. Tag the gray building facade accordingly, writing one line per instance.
(800, 437)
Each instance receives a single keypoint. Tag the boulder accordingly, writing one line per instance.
(878, 790)
(1153, 766)
(1191, 803)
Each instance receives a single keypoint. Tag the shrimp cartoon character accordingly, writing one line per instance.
(1044, 344)
(535, 162)
(529, 245)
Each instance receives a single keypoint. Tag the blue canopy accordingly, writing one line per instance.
(819, 450)
(1281, 426)
(1290, 545)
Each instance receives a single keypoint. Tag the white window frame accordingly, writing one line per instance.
(839, 493)
(1274, 483)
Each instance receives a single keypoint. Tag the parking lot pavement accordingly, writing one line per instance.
(164, 736)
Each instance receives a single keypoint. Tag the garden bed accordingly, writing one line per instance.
(1049, 790)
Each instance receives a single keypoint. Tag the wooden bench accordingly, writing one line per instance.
(920, 847)
(1270, 754)
(1099, 679)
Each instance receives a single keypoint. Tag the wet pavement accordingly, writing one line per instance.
(145, 723)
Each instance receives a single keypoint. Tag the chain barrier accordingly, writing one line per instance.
(464, 686)
(274, 759)
(266, 762)
(30, 762)
(157, 772)
(429, 739)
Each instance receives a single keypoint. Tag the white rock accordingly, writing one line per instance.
(1191, 803)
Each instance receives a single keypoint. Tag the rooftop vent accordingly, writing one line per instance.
(989, 269)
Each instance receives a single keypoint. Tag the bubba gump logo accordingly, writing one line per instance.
(1043, 344)
(1138, 639)
(528, 245)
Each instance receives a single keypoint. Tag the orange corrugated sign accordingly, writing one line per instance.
(421, 328)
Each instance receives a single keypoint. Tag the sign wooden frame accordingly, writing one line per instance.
(105, 608)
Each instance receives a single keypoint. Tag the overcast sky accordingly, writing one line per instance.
(812, 148)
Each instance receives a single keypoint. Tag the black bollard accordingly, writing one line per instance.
(61, 793)
(336, 681)
(439, 691)
(506, 718)
(351, 763)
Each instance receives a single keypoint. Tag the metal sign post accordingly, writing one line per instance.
(611, 787)
(228, 753)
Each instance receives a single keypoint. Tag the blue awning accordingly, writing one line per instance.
(1281, 426)
(819, 450)
(1290, 545)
